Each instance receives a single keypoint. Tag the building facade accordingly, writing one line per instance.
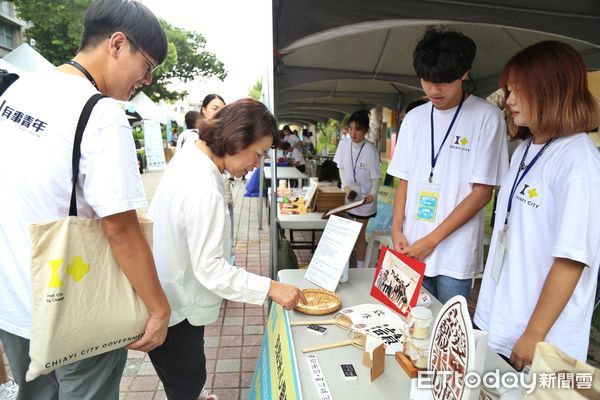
(12, 29)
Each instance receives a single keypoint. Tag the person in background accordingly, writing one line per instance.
(191, 241)
(121, 45)
(358, 162)
(540, 278)
(290, 136)
(297, 158)
(190, 133)
(451, 153)
(211, 104)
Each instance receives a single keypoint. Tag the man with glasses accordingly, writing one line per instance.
(150, 66)
(40, 113)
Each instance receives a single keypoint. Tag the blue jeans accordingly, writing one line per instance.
(444, 287)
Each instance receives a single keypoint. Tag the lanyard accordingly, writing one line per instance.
(84, 71)
(354, 163)
(435, 156)
(525, 169)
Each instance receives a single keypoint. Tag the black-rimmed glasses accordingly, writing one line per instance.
(150, 68)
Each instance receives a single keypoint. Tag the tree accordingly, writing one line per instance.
(56, 28)
(254, 91)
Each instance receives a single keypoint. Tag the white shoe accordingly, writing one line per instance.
(9, 390)
(205, 395)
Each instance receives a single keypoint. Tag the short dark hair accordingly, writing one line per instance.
(236, 126)
(443, 55)
(190, 119)
(361, 118)
(105, 17)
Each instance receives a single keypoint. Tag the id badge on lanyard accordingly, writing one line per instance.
(500, 253)
(427, 201)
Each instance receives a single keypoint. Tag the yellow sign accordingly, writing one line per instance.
(276, 374)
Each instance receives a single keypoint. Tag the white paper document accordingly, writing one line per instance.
(333, 251)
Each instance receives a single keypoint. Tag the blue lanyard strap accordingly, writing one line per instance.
(519, 177)
(433, 155)
(354, 163)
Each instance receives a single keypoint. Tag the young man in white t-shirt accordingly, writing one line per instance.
(122, 43)
(358, 162)
(451, 153)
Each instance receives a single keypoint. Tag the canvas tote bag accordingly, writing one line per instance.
(83, 304)
(560, 376)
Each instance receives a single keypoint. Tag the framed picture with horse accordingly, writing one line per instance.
(397, 281)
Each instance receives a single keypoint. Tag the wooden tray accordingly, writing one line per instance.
(320, 302)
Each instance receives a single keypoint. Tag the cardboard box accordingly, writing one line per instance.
(329, 197)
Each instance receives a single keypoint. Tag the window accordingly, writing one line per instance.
(6, 35)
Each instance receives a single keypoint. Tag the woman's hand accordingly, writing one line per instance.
(285, 295)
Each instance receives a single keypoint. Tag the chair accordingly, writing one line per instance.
(311, 168)
(377, 239)
(486, 242)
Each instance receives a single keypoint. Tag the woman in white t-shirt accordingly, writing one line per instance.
(540, 277)
(358, 162)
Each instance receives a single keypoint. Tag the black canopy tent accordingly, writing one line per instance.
(337, 56)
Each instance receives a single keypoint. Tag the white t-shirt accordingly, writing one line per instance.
(554, 213)
(192, 242)
(38, 117)
(292, 138)
(187, 136)
(297, 157)
(359, 164)
(475, 152)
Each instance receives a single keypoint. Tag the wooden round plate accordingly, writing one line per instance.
(320, 302)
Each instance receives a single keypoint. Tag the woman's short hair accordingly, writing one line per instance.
(443, 55)
(236, 126)
(105, 17)
(360, 118)
(551, 78)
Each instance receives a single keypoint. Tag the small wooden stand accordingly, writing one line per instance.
(407, 365)
(377, 363)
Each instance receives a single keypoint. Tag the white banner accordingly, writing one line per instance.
(153, 143)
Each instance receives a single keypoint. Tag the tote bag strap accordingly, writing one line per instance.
(83, 120)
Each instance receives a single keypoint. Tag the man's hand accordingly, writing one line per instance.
(286, 295)
(369, 198)
(154, 335)
(420, 249)
(399, 241)
(522, 351)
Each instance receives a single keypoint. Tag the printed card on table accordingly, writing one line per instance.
(398, 280)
